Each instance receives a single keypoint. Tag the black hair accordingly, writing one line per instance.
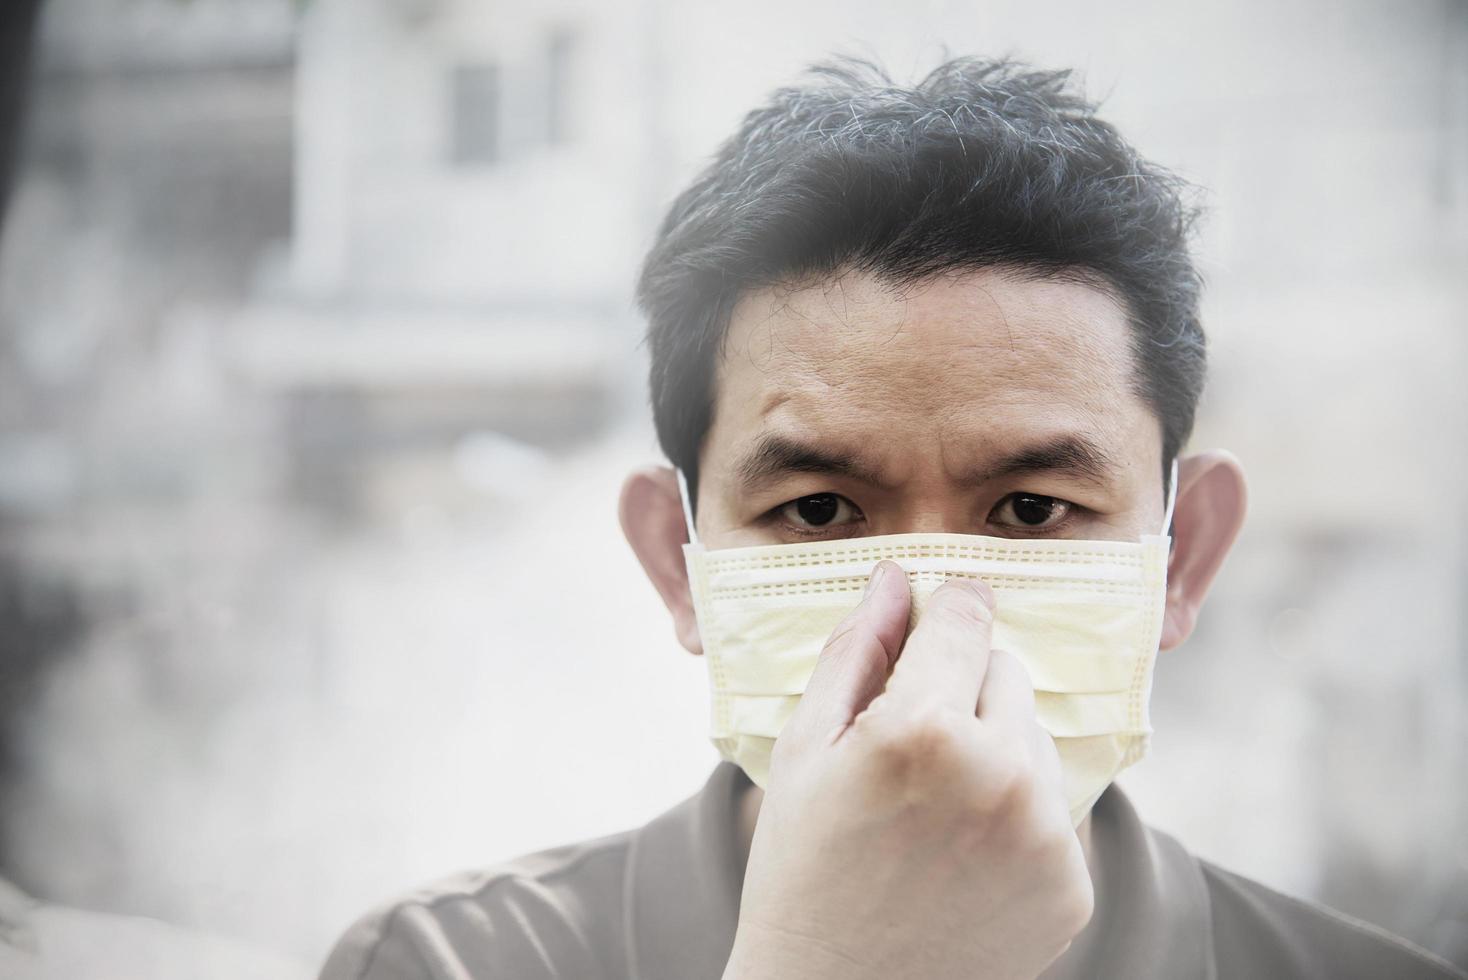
(983, 163)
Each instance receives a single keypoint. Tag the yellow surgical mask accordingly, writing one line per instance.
(1084, 617)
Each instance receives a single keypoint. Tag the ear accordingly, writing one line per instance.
(651, 512)
(1211, 500)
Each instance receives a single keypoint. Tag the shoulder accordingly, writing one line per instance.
(553, 914)
(1261, 932)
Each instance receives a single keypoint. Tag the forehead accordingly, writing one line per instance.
(960, 365)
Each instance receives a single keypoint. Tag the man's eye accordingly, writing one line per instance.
(1030, 511)
(819, 510)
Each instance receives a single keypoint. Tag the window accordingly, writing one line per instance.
(475, 91)
(558, 56)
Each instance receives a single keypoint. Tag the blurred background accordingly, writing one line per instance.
(319, 373)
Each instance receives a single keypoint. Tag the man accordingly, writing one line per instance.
(926, 360)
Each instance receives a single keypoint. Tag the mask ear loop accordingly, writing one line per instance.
(1167, 514)
(684, 497)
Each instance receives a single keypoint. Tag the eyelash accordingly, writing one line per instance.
(806, 532)
(1073, 511)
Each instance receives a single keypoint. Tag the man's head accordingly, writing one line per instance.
(965, 306)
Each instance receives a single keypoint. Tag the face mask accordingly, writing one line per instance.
(1084, 617)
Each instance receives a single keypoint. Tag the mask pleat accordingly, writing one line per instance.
(1082, 616)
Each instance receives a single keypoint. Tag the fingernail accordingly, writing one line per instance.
(877, 574)
(975, 587)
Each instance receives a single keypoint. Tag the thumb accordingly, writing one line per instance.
(855, 662)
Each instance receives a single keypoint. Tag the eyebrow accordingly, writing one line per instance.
(775, 456)
(1072, 454)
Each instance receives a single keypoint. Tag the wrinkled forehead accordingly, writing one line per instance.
(985, 355)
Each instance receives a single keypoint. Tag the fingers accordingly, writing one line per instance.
(947, 655)
(855, 661)
(1007, 698)
(1007, 711)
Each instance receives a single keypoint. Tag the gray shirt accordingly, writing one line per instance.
(661, 903)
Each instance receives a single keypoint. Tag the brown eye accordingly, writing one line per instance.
(1031, 511)
(819, 510)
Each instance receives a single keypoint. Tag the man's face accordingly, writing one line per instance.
(977, 403)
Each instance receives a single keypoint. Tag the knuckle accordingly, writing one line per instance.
(1005, 789)
(1009, 662)
(1056, 849)
(1053, 850)
(1010, 767)
(933, 732)
(928, 737)
(842, 637)
(1046, 755)
(960, 601)
(784, 751)
(876, 710)
(1077, 904)
(984, 592)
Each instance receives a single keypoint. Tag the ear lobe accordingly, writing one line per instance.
(651, 512)
(1211, 503)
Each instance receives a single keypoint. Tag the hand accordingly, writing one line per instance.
(913, 825)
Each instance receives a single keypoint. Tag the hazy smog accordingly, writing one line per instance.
(320, 372)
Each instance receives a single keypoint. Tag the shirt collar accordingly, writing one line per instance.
(684, 878)
(1153, 916)
(685, 873)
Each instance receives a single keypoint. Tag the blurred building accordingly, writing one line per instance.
(156, 167)
(471, 182)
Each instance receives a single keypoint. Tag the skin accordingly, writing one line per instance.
(945, 406)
